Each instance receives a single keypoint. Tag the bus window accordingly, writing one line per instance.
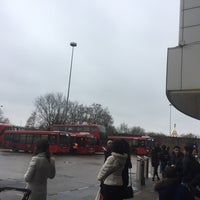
(78, 129)
(91, 140)
(57, 128)
(29, 139)
(80, 142)
(44, 137)
(52, 139)
(64, 139)
(86, 129)
(93, 129)
(60, 128)
(16, 138)
(135, 143)
(22, 138)
(36, 138)
(70, 129)
(8, 137)
(142, 143)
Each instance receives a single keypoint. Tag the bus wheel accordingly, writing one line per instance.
(14, 149)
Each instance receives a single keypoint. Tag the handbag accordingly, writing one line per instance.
(128, 190)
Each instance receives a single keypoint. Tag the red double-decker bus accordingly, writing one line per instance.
(24, 140)
(4, 127)
(82, 143)
(98, 131)
(138, 145)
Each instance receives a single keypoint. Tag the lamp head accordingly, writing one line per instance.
(73, 44)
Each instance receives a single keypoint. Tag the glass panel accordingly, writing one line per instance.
(90, 140)
(29, 139)
(64, 140)
(45, 137)
(79, 129)
(8, 137)
(23, 138)
(81, 142)
(142, 143)
(93, 128)
(71, 129)
(16, 138)
(52, 139)
(36, 138)
(59, 128)
(85, 129)
(135, 143)
(102, 129)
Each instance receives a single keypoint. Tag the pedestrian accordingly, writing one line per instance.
(164, 159)
(191, 170)
(110, 174)
(41, 167)
(167, 186)
(108, 149)
(176, 159)
(155, 160)
(128, 164)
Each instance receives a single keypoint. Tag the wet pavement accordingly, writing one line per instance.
(75, 176)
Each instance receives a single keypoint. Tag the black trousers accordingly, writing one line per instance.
(112, 192)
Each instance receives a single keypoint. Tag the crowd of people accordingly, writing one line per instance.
(180, 172)
(179, 180)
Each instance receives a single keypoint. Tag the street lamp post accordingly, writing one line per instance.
(72, 44)
(170, 119)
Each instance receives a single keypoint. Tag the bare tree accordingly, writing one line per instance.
(137, 131)
(51, 109)
(96, 114)
(123, 128)
(31, 121)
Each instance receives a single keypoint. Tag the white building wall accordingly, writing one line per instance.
(183, 62)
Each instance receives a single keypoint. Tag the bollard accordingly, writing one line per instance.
(140, 170)
(146, 166)
(142, 173)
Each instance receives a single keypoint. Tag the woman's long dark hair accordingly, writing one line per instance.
(118, 147)
(42, 146)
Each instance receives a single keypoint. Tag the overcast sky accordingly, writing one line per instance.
(120, 60)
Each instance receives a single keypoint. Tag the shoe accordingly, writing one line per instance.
(158, 178)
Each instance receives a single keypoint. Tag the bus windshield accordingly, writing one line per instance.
(64, 139)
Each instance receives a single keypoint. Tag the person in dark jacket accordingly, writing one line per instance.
(191, 167)
(164, 159)
(167, 186)
(176, 160)
(155, 160)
